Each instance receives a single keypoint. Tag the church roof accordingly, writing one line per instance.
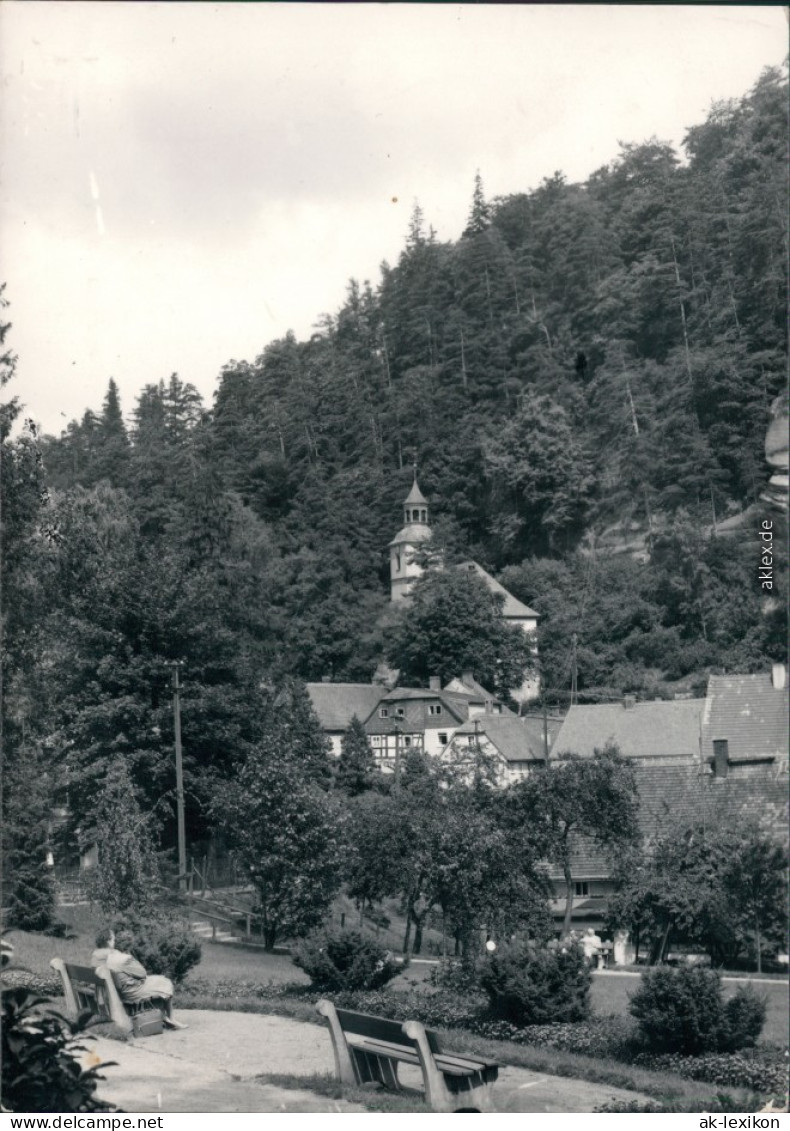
(512, 606)
(415, 495)
(413, 532)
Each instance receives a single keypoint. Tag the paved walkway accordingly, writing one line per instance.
(212, 1066)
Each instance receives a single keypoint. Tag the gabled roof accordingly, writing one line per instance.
(514, 741)
(512, 606)
(337, 703)
(750, 713)
(665, 728)
(470, 689)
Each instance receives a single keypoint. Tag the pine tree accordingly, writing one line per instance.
(356, 768)
(28, 880)
(480, 212)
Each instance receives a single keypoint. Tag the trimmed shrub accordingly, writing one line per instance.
(164, 945)
(744, 1017)
(683, 1011)
(40, 1071)
(345, 960)
(528, 985)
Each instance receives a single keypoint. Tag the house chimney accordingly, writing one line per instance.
(778, 676)
(434, 683)
(468, 678)
(721, 757)
(489, 706)
(629, 702)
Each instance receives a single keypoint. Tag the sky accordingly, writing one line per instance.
(182, 183)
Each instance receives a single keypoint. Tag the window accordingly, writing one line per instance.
(581, 888)
(384, 713)
(434, 708)
(375, 740)
(407, 740)
(442, 738)
(399, 712)
(397, 563)
(415, 516)
(424, 516)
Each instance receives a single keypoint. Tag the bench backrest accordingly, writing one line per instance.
(89, 989)
(381, 1029)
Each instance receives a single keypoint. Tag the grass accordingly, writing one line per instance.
(371, 1097)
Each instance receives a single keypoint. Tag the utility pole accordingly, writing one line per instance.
(397, 757)
(574, 682)
(182, 843)
(545, 731)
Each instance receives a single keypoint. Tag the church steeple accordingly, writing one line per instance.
(415, 506)
(404, 570)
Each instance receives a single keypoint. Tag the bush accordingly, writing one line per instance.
(39, 1069)
(345, 960)
(164, 945)
(459, 975)
(683, 1011)
(528, 985)
(744, 1017)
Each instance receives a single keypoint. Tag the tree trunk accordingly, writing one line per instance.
(269, 938)
(566, 924)
(407, 935)
(659, 952)
(418, 921)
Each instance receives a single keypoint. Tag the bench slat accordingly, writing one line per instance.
(455, 1065)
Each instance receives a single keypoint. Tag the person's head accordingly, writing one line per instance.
(105, 938)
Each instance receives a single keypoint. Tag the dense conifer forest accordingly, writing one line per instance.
(584, 380)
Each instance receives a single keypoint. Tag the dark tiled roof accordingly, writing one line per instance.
(750, 713)
(337, 703)
(671, 794)
(668, 729)
(512, 606)
(415, 718)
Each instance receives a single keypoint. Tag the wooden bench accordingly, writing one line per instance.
(87, 988)
(369, 1049)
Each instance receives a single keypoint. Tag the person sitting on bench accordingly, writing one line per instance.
(134, 985)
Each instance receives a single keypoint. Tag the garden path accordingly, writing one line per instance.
(211, 1066)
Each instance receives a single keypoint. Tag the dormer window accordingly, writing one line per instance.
(384, 713)
(434, 708)
(399, 712)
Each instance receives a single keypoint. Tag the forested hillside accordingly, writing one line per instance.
(588, 369)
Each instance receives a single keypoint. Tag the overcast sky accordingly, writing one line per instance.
(184, 182)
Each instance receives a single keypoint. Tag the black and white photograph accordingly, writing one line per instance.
(393, 560)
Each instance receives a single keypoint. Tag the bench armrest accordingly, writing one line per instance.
(343, 1062)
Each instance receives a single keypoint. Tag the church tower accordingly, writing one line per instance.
(407, 543)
